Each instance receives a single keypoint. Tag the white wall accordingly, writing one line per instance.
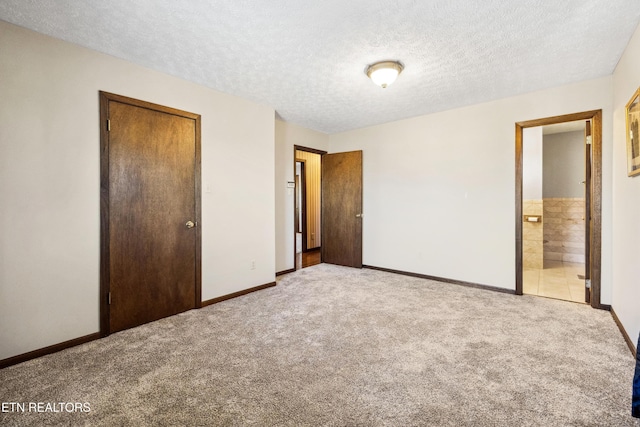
(49, 184)
(626, 197)
(532, 163)
(439, 189)
(287, 135)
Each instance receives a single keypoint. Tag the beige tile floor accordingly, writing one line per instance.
(557, 280)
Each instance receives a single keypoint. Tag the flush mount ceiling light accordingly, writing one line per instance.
(384, 73)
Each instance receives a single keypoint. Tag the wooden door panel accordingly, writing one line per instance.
(587, 211)
(152, 193)
(342, 208)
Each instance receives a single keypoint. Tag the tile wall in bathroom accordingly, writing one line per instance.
(532, 235)
(564, 226)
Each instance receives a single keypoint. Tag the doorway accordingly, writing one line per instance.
(301, 207)
(150, 212)
(308, 217)
(558, 207)
(554, 205)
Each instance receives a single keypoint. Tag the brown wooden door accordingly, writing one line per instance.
(587, 212)
(153, 158)
(342, 209)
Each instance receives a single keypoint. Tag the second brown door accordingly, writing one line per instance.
(342, 208)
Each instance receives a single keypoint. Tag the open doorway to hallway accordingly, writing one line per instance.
(308, 169)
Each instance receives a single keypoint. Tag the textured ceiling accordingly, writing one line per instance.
(307, 58)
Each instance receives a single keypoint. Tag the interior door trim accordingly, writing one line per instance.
(105, 98)
(596, 196)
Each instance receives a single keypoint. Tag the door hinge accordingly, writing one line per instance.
(589, 140)
(109, 298)
(587, 283)
(108, 125)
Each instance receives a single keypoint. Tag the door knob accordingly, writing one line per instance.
(359, 215)
(190, 224)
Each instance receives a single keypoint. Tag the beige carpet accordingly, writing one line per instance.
(344, 347)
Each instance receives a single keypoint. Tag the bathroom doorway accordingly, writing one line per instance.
(553, 202)
(558, 193)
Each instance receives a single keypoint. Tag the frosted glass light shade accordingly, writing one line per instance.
(384, 73)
